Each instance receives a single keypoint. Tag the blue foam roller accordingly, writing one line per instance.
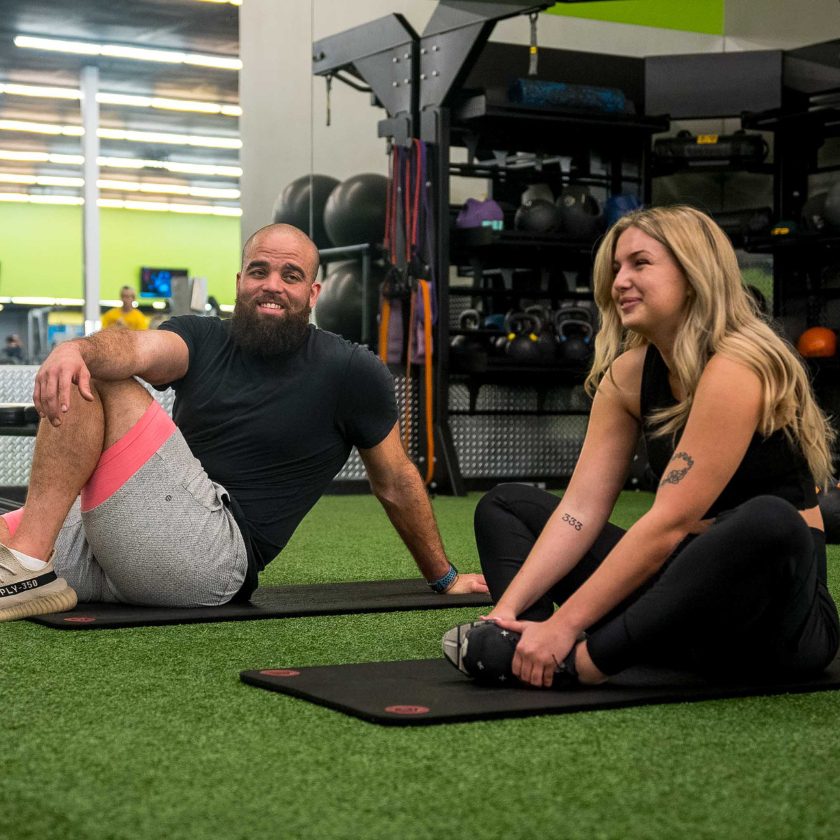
(545, 94)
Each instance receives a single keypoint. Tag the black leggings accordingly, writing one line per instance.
(748, 595)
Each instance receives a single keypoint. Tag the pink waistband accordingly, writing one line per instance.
(122, 459)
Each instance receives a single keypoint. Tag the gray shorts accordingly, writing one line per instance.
(164, 538)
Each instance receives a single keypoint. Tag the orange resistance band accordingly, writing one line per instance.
(384, 326)
(427, 333)
(407, 414)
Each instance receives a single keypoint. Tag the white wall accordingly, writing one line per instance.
(780, 24)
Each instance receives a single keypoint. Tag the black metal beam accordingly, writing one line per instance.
(382, 53)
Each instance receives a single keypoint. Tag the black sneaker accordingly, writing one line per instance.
(24, 592)
(484, 651)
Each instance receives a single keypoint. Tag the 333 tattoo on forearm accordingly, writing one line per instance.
(575, 523)
(677, 475)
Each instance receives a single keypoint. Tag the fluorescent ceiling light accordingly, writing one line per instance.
(123, 186)
(129, 100)
(124, 163)
(158, 206)
(166, 138)
(122, 51)
(230, 2)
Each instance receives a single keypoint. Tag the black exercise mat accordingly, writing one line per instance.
(428, 691)
(271, 602)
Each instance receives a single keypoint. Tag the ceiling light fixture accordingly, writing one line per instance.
(122, 51)
(130, 100)
(228, 194)
(166, 138)
(157, 206)
(124, 163)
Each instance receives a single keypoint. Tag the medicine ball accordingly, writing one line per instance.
(355, 211)
(817, 342)
(536, 215)
(831, 208)
(292, 205)
(534, 191)
(580, 213)
(339, 306)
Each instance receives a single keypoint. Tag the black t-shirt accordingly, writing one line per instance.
(274, 432)
(772, 465)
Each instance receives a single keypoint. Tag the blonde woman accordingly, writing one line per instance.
(726, 573)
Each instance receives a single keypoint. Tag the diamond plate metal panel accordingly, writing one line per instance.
(16, 383)
(517, 447)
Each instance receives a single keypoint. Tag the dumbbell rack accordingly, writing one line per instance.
(514, 421)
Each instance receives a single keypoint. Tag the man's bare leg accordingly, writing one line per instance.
(66, 455)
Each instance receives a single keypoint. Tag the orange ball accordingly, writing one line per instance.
(817, 342)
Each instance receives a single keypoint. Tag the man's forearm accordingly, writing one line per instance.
(410, 512)
(110, 354)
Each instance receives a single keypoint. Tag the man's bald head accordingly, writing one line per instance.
(309, 248)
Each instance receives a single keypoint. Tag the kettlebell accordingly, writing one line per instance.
(546, 337)
(574, 337)
(468, 351)
(522, 338)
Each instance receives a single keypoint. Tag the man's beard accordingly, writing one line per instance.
(267, 335)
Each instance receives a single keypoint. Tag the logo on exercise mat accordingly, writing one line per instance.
(80, 619)
(280, 672)
(407, 710)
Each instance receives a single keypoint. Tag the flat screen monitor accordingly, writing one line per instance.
(157, 282)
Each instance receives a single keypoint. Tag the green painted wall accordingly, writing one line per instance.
(41, 249)
(705, 16)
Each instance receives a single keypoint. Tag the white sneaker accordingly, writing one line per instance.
(24, 592)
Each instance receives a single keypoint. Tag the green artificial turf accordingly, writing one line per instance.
(148, 733)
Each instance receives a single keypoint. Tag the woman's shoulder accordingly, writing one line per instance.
(627, 368)
(623, 380)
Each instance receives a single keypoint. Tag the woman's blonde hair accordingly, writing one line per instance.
(720, 317)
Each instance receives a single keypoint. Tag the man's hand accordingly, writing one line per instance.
(63, 369)
(465, 584)
(543, 646)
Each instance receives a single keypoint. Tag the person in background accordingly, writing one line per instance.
(127, 316)
(13, 351)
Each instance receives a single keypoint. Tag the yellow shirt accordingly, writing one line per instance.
(134, 320)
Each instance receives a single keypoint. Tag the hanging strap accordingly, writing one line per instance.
(534, 50)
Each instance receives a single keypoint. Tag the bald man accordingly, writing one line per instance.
(140, 509)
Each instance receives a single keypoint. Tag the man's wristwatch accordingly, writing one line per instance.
(443, 583)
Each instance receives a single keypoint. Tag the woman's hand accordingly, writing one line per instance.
(541, 649)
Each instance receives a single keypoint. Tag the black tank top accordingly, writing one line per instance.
(771, 466)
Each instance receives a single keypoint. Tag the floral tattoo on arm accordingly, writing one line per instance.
(676, 476)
